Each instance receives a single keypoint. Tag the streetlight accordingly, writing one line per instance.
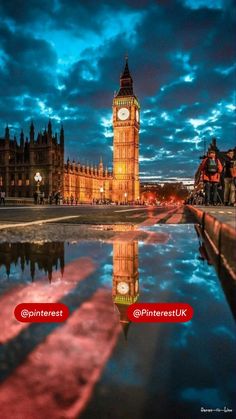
(125, 194)
(101, 192)
(38, 179)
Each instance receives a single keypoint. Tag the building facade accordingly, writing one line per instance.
(87, 184)
(20, 162)
(83, 183)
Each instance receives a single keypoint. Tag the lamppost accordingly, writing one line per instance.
(38, 179)
(101, 192)
(125, 194)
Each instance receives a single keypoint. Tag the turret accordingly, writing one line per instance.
(101, 167)
(7, 133)
(49, 129)
(22, 139)
(62, 137)
(31, 132)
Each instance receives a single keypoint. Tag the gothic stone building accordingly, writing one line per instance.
(45, 154)
(20, 162)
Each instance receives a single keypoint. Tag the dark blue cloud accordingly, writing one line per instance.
(62, 59)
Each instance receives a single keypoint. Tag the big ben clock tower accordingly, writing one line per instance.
(126, 117)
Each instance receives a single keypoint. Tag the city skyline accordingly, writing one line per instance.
(58, 63)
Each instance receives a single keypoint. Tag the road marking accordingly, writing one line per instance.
(137, 215)
(175, 218)
(154, 220)
(38, 222)
(229, 212)
(133, 209)
(221, 212)
(139, 209)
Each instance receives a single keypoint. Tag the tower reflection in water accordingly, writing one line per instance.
(125, 287)
(48, 257)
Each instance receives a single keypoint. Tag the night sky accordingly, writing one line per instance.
(63, 58)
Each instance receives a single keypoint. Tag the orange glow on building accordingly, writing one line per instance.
(126, 123)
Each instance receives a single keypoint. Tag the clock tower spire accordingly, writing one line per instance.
(126, 81)
(126, 111)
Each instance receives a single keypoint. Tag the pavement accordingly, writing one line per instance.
(218, 230)
(226, 215)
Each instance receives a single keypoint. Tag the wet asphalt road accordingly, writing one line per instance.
(86, 213)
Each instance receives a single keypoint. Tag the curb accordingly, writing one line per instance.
(221, 238)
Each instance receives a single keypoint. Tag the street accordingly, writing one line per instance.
(99, 214)
(87, 214)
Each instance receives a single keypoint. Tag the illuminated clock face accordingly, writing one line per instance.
(137, 115)
(136, 286)
(122, 288)
(123, 114)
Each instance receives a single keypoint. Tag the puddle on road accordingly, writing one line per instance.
(152, 370)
